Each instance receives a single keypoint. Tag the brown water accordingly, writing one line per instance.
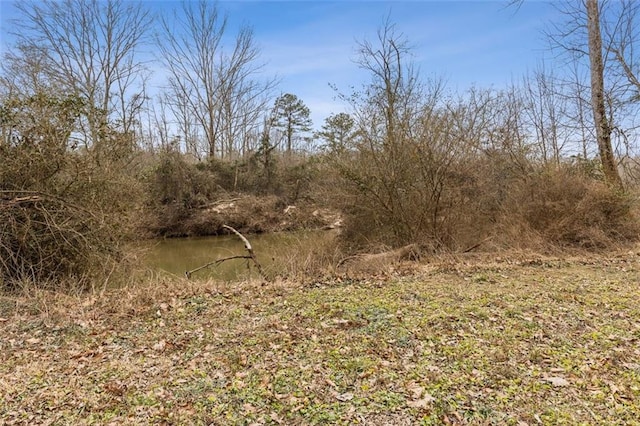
(178, 255)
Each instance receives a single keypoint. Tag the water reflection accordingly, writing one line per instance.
(177, 255)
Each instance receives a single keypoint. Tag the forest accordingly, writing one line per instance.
(505, 216)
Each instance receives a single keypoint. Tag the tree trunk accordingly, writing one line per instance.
(603, 130)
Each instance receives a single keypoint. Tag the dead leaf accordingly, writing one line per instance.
(348, 396)
(248, 408)
(415, 389)
(614, 388)
(275, 418)
(115, 387)
(423, 402)
(160, 346)
(556, 381)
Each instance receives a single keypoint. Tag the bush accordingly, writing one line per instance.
(50, 242)
(64, 211)
(174, 189)
(566, 208)
(176, 182)
(496, 201)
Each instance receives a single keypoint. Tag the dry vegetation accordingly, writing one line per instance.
(423, 311)
(411, 164)
(459, 341)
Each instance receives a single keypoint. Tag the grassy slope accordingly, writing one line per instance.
(547, 342)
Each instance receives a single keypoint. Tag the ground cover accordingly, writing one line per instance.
(457, 341)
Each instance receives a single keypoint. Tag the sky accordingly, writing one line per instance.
(310, 45)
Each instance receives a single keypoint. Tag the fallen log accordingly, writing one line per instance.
(407, 252)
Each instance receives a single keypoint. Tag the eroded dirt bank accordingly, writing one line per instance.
(246, 213)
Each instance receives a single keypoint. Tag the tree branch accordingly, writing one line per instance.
(251, 256)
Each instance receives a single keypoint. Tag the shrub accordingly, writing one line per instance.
(513, 203)
(64, 213)
(50, 242)
(566, 208)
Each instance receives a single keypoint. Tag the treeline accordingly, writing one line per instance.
(418, 165)
(88, 161)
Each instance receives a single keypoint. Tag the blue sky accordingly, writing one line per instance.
(310, 44)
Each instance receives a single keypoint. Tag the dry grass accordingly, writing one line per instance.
(462, 341)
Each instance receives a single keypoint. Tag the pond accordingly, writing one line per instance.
(178, 255)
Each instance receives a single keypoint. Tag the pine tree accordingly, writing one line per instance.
(291, 115)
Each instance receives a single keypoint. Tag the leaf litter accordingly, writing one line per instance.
(550, 342)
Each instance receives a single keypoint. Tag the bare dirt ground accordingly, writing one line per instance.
(516, 340)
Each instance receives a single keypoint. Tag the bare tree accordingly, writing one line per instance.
(400, 165)
(576, 92)
(604, 33)
(496, 121)
(624, 36)
(215, 87)
(24, 72)
(244, 98)
(89, 48)
(545, 107)
(603, 127)
(176, 111)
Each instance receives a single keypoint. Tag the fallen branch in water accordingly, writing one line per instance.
(251, 256)
(216, 262)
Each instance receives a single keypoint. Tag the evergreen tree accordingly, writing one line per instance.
(292, 116)
(337, 131)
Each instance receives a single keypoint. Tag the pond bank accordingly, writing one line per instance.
(246, 213)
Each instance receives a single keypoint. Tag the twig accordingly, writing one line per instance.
(6, 204)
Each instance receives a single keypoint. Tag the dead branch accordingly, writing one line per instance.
(214, 263)
(220, 203)
(251, 256)
(475, 246)
(407, 252)
(247, 246)
(11, 198)
(14, 202)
